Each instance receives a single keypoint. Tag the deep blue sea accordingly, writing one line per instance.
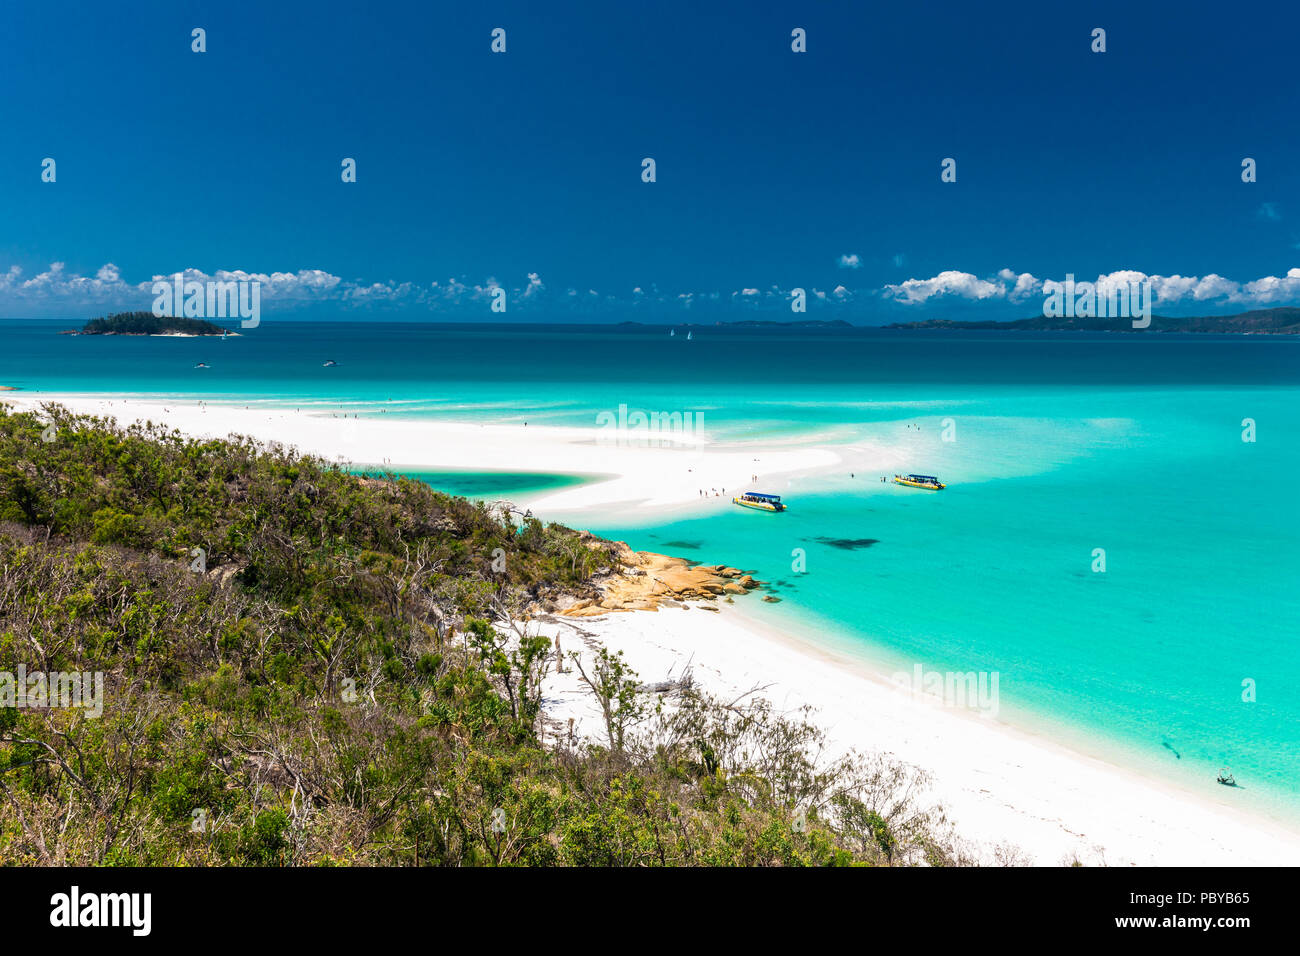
(1058, 444)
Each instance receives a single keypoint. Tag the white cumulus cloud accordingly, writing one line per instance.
(962, 284)
(1011, 286)
(59, 290)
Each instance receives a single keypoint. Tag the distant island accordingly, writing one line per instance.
(146, 323)
(1279, 321)
(798, 324)
(750, 324)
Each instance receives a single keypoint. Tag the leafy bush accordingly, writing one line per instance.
(307, 667)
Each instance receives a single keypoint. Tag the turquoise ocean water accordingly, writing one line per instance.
(1063, 444)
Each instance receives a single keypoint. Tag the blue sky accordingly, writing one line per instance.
(775, 169)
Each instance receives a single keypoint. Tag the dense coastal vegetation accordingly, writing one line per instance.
(308, 667)
(146, 323)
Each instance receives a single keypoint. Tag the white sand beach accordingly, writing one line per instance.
(626, 470)
(998, 784)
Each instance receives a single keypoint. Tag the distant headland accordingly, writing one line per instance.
(146, 323)
(748, 324)
(1279, 321)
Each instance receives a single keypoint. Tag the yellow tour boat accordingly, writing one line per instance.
(920, 481)
(753, 499)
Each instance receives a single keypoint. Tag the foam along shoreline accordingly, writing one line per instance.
(998, 785)
(651, 475)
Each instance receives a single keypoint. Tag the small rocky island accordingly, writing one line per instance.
(146, 323)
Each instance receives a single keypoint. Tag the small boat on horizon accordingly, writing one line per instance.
(688, 336)
(1226, 778)
(929, 482)
(203, 365)
(758, 501)
(330, 364)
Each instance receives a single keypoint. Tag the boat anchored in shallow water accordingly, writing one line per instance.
(762, 502)
(1226, 778)
(920, 481)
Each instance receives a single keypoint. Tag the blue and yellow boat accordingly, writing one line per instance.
(928, 482)
(753, 499)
